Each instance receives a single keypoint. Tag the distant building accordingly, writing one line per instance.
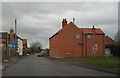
(6, 40)
(20, 46)
(71, 41)
(110, 46)
(3, 43)
(46, 52)
(3, 40)
(25, 48)
(109, 41)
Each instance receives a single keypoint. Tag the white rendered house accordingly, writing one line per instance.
(20, 47)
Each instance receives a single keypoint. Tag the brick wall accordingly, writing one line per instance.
(71, 41)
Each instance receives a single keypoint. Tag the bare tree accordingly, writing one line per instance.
(116, 37)
(116, 48)
(35, 47)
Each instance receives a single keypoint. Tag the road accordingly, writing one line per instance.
(0, 68)
(41, 66)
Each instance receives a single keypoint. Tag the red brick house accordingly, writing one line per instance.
(46, 52)
(71, 41)
(3, 41)
(6, 40)
(25, 48)
(109, 41)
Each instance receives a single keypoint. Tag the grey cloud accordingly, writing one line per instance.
(0, 16)
(37, 21)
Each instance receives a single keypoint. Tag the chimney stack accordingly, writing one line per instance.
(12, 31)
(93, 28)
(64, 23)
(11, 35)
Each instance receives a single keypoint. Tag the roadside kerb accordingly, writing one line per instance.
(10, 62)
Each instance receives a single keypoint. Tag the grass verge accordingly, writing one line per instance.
(91, 58)
(104, 63)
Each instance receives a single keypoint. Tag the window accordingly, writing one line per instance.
(77, 36)
(88, 36)
(0, 45)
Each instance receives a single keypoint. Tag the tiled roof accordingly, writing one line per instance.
(91, 30)
(109, 41)
(85, 30)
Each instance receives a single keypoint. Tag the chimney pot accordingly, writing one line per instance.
(93, 28)
(64, 23)
(11, 30)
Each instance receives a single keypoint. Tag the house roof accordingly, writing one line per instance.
(54, 34)
(85, 30)
(3, 34)
(109, 41)
(91, 31)
(60, 30)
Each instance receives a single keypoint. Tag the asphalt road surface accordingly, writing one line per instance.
(41, 66)
(0, 69)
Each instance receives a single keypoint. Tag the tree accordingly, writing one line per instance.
(116, 48)
(35, 47)
(117, 37)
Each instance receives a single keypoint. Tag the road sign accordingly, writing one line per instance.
(0, 45)
(95, 48)
(14, 45)
(9, 45)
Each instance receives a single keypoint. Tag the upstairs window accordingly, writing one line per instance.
(0, 45)
(77, 36)
(88, 36)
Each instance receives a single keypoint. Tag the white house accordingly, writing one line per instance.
(20, 46)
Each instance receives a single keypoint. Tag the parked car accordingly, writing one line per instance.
(41, 54)
(28, 54)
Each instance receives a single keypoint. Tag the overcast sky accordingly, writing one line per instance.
(37, 21)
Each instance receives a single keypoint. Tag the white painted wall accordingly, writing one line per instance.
(20, 47)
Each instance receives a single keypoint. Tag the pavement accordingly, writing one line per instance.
(7, 63)
(0, 69)
(41, 66)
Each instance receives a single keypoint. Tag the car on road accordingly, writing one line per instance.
(28, 54)
(41, 54)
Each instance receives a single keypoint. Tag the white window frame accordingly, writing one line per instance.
(88, 36)
(77, 36)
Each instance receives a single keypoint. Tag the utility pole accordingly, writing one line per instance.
(15, 29)
(16, 36)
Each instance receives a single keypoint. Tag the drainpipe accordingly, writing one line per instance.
(82, 44)
(73, 44)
